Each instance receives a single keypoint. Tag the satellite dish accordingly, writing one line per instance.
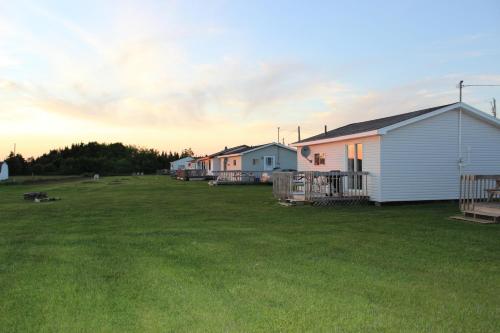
(305, 151)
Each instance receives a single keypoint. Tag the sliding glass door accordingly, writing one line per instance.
(355, 164)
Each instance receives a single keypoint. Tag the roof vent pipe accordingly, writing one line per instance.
(325, 129)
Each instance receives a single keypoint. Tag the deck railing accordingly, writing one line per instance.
(186, 174)
(321, 187)
(476, 189)
(242, 177)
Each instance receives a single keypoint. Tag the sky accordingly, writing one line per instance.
(208, 74)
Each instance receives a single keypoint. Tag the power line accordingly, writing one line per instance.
(461, 85)
(481, 85)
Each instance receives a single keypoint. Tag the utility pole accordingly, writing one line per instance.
(278, 135)
(460, 87)
(460, 160)
(14, 149)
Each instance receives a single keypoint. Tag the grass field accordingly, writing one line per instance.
(147, 254)
(29, 180)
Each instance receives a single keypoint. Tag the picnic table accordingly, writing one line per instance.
(35, 195)
(493, 191)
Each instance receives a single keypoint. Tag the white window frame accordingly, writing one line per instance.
(319, 159)
(266, 167)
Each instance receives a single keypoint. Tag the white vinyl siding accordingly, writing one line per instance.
(420, 161)
(336, 159)
(484, 143)
(233, 163)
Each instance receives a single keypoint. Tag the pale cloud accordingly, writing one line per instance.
(78, 31)
(8, 61)
(136, 82)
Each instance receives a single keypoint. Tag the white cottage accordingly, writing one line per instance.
(183, 164)
(212, 163)
(4, 171)
(412, 156)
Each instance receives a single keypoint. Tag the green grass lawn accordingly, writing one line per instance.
(153, 254)
(35, 179)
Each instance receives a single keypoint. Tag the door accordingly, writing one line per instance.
(269, 163)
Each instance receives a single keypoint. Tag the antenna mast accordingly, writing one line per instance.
(461, 85)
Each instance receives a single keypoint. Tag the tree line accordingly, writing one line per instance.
(94, 157)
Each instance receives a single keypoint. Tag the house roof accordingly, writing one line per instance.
(231, 150)
(187, 158)
(253, 148)
(371, 125)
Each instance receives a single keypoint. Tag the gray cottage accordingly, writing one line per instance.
(261, 158)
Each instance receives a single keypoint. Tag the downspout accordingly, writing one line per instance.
(460, 159)
(278, 147)
(460, 166)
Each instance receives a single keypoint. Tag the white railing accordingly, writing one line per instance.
(321, 186)
(242, 177)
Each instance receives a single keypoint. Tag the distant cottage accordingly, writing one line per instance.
(263, 158)
(184, 163)
(412, 156)
(4, 171)
(211, 163)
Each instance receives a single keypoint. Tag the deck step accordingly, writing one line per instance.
(475, 219)
(483, 212)
(293, 202)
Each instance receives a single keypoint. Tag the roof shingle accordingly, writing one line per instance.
(232, 150)
(370, 125)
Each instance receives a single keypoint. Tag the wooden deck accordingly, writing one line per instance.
(239, 177)
(480, 198)
(197, 174)
(484, 211)
(321, 188)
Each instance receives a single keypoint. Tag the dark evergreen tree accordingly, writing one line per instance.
(93, 157)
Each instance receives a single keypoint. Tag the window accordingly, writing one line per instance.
(255, 161)
(319, 159)
(234, 162)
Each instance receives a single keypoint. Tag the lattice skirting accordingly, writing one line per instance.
(334, 201)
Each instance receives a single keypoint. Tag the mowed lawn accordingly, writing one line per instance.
(149, 253)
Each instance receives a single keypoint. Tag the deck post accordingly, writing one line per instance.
(479, 196)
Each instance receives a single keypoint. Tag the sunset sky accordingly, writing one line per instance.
(209, 74)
